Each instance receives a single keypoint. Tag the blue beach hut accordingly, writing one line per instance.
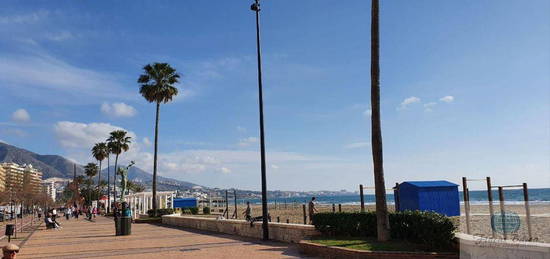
(438, 196)
(185, 203)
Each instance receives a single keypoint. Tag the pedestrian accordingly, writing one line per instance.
(312, 209)
(10, 251)
(247, 212)
(68, 213)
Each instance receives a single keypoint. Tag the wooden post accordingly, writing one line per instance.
(278, 219)
(226, 205)
(333, 208)
(527, 210)
(502, 213)
(339, 207)
(285, 203)
(287, 221)
(305, 217)
(362, 198)
(235, 198)
(490, 198)
(466, 203)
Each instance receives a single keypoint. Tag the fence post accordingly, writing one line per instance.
(333, 208)
(287, 221)
(362, 198)
(278, 219)
(305, 217)
(527, 210)
(236, 212)
(466, 203)
(226, 206)
(339, 207)
(396, 196)
(502, 213)
(490, 198)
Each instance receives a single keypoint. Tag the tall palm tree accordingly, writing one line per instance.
(157, 86)
(90, 170)
(100, 152)
(118, 143)
(382, 217)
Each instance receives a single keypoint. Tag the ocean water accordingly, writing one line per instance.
(536, 196)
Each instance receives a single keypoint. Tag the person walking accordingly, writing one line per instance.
(247, 212)
(312, 209)
(10, 251)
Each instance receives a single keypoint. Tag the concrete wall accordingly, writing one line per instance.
(291, 233)
(479, 247)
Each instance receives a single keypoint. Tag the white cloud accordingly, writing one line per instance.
(275, 166)
(60, 36)
(357, 145)
(247, 141)
(241, 129)
(447, 99)
(428, 106)
(367, 113)
(82, 135)
(118, 110)
(225, 170)
(408, 101)
(146, 141)
(3, 141)
(42, 78)
(21, 115)
(24, 18)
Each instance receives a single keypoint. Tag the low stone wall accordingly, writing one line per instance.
(290, 233)
(480, 247)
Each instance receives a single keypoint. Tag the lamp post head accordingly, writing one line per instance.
(255, 7)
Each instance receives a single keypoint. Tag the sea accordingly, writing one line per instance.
(536, 196)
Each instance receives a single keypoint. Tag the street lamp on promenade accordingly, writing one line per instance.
(256, 8)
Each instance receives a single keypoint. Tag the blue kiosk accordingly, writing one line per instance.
(438, 196)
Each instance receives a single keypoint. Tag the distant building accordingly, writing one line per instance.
(2, 179)
(21, 178)
(49, 188)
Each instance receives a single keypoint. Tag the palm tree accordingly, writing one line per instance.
(157, 85)
(100, 152)
(90, 170)
(118, 143)
(382, 218)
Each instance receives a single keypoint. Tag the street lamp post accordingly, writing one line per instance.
(256, 8)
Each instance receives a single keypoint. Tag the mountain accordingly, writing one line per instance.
(49, 165)
(58, 166)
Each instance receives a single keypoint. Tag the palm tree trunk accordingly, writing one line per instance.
(382, 219)
(99, 179)
(108, 184)
(114, 183)
(155, 161)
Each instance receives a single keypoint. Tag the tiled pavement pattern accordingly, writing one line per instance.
(85, 239)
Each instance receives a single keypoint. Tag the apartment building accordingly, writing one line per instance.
(23, 178)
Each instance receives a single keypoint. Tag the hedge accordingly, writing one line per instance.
(429, 228)
(160, 212)
(206, 210)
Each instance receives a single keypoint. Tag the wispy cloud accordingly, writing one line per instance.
(408, 101)
(247, 141)
(21, 115)
(357, 145)
(26, 18)
(118, 109)
(428, 106)
(447, 99)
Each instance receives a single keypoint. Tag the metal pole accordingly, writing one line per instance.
(362, 198)
(466, 203)
(502, 213)
(527, 211)
(396, 196)
(256, 8)
(235, 198)
(226, 205)
(490, 198)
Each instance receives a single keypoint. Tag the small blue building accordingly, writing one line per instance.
(186, 203)
(438, 196)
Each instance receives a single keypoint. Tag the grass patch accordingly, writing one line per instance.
(371, 244)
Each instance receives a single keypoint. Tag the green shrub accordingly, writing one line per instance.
(194, 210)
(206, 210)
(429, 228)
(160, 212)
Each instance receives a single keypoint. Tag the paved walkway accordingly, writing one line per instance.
(84, 239)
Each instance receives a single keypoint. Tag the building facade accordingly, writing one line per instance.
(18, 179)
(2, 179)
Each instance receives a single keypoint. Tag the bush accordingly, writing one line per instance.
(429, 228)
(160, 212)
(194, 210)
(206, 210)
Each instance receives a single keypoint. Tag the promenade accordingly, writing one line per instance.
(85, 239)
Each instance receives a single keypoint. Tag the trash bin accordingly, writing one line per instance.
(117, 226)
(125, 226)
(10, 228)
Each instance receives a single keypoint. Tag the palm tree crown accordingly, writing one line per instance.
(157, 83)
(90, 170)
(118, 142)
(100, 151)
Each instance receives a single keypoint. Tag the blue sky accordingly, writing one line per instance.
(465, 88)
